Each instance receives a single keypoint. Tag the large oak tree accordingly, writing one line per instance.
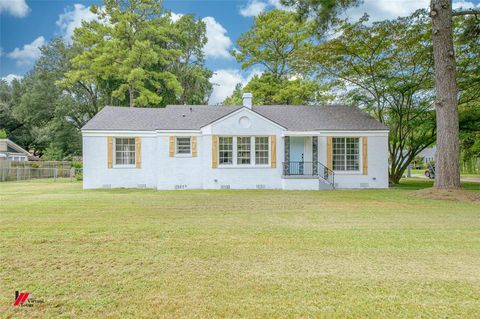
(447, 170)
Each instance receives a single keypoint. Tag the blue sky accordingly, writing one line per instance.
(27, 24)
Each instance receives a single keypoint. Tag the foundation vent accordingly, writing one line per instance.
(107, 186)
(364, 185)
(224, 186)
(142, 186)
(181, 186)
(261, 186)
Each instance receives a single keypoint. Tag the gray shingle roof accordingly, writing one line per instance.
(194, 117)
(314, 118)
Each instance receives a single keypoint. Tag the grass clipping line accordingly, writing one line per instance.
(457, 195)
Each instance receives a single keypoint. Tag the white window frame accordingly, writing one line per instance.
(251, 145)
(254, 155)
(233, 151)
(360, 156)
(114, 153)
(176, 147)
(253, 163)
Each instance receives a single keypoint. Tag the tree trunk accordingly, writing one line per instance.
(447, 170)
(131, 96)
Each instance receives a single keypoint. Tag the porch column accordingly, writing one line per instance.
(315, 155)
(286, 163)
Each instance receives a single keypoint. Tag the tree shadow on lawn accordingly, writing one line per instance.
(470, 191)
(420, 183)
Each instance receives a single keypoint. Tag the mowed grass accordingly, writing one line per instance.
(227, 254)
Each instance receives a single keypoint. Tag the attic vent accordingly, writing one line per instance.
(364, 185)
(180, 186)
(224, 186)
(107, 186)
(142, 186)
(261, 186)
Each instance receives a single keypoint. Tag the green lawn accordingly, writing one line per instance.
(259, 254)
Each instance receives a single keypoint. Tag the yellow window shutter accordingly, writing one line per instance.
(273, 151)
(194, 146)
(110, 152)
(329, 153)
(172, 146)
(138, 152)
(214, 151)
(365, 155)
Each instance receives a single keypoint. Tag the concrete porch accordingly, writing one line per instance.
(301, 161)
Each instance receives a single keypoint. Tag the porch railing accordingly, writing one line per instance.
(312, 169)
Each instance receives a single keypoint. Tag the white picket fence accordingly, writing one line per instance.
(25, 173)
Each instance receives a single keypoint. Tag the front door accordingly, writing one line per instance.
(297, 154)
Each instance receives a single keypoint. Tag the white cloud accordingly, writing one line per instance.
(72, 19)
(278, 5)
(386, 9)
(29, 53)
(218, 43)
(224, 82)
(392, 9)
(1, 52)
(17, 8)
(175, 16)
(9, 78)
(253, 8)
(464, 5)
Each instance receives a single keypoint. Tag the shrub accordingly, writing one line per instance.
(77, 164)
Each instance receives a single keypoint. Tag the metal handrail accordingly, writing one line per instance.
(326, 173)
(301, 168)
(314, 169)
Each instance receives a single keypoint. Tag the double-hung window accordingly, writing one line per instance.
(346, 153)
(183, 146)
(243, 150)
(225, 150)
(124, 151)
(261, 150)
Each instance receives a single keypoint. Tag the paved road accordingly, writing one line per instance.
(463, 179)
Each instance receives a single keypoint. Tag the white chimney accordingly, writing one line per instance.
(3, 145)
(247, 100)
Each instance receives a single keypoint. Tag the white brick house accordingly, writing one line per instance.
(219, 147)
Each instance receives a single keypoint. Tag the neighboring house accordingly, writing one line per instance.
(12, 152)
(428, 154)
(222, 147)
